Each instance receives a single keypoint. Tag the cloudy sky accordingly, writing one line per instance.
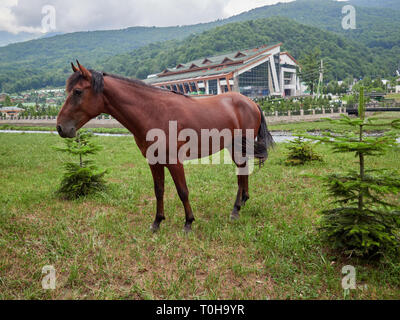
(18, 16)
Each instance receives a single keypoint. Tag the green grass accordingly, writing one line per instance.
(395, 96)
(102, 248)
(382, 117)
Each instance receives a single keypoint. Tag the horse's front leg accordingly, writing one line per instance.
(178, 175)
(157, 171)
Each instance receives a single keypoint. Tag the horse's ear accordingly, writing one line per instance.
(85, 72)
(74, 69)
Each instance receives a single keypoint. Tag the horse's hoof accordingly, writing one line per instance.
(234, 216)
(154, 227)
(187, 229)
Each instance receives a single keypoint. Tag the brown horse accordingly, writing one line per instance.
(141, 108)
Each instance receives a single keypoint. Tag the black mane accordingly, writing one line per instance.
(98, 82)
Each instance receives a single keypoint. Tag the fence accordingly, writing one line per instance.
(109, 122)
(304, 115)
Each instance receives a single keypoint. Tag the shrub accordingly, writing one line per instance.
(83, 178)
(301, 152)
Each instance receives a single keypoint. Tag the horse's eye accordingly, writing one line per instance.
(77, 92)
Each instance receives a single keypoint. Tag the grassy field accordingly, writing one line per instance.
(395, 96)
(381, 118)
(102, 248)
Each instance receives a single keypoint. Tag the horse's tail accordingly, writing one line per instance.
(264, 140)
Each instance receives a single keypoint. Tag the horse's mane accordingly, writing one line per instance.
(98, 82)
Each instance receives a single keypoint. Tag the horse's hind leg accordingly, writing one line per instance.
(238, 201)
(158, 178)
(243, 178)
(178, 175)
(245, 193)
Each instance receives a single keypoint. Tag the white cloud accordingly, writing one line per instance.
(81, 15)
(8, 20)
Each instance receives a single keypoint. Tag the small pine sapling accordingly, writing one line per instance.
(83, 178)
(365, 223)
(301, 152)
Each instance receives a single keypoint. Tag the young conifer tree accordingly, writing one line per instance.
(301, 152)
(82, 178)
(364, 223)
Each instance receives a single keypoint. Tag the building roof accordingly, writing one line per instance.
(212, 66)
(290, 56)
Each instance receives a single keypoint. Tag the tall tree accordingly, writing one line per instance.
(310, 68)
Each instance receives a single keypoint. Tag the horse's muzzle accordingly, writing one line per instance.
(66, 132)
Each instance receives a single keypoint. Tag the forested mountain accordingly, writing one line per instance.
(395, 4)
(345, 57)
(44, 62)
(6, 37)
(376, 27)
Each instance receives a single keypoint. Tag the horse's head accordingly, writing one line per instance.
(84, 101)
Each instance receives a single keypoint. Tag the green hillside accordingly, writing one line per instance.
(376, 27)
(346, 57)
(44, 62)
(395, 4)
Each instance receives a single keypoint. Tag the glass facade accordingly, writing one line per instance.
(224, 88)
(254, 83)
(288, 66)
(202, 88)
(187, 89)
(193, 87)
(277, 59)
(213, 86)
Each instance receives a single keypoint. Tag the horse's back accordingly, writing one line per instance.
(242, 112)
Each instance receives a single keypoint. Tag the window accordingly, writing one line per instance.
(213, 86)
(193, 87)
(224, 88)
(254, 83)
(187, 89)
(277, 60)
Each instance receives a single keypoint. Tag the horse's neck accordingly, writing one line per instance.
(131, 106)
